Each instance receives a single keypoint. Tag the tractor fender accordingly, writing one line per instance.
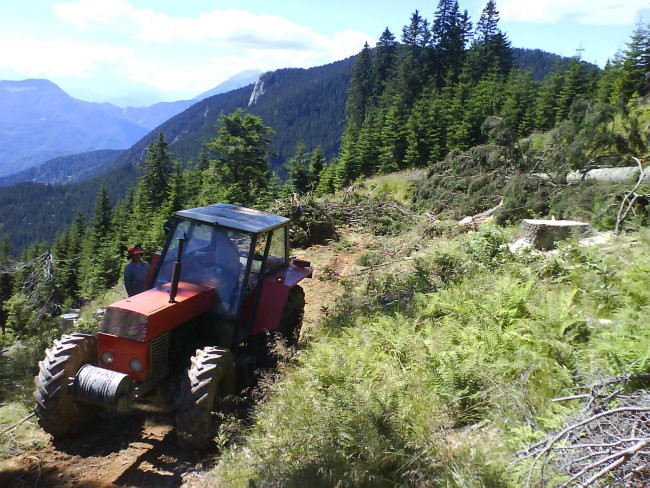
(273, 298)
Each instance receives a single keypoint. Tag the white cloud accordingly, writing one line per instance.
(193, 54)
(55, 59)
(591, 12)
(84, 12)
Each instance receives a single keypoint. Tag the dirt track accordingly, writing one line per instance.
(134, 449)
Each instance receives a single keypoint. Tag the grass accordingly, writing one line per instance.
(87, 317)
(19, 438)
(442, 390)
(393, 185)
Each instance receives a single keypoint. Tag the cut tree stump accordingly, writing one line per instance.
(543, 234)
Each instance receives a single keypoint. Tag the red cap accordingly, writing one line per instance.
(133, 250)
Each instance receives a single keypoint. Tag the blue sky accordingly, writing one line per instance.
(110, 50)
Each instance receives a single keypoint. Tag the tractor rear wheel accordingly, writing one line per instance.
(291, 319)
(209, 379)
(56, 409)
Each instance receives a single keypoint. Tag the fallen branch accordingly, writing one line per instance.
(609, 441)
(629, 199)
(618, 458)
(13, 427)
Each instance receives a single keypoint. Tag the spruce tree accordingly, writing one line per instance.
(240, 170)
(450, 32)
(300, 178)
(416, 67)
(155, 173)
(385, 62)
(348, 168)
(490, 50)
(519, 105)
(576, 82)
(393, 139)
(362, 86)
(5, 279)
(636, 65)
(100, 262)
(316, 164)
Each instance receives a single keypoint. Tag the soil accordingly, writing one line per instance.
(134, 449)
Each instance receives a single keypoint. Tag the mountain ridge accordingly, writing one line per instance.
(40, 121)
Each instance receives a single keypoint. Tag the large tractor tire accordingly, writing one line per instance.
(56, 409)
(209, 380)
(291, 320)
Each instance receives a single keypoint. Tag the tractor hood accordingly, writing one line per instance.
(149, 314)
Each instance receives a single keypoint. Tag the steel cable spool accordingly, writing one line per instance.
(101, 386)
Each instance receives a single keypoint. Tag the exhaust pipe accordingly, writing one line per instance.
(176, 271)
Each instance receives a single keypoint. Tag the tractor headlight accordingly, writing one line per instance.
(107, 357)
(136, 364)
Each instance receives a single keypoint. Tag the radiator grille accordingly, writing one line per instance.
(160, 356)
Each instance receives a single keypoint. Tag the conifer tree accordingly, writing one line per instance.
(519, 105)
(100, 263)
(393, 139)
(348, 168)
(416, 67)
(425, 139)
(450, 32)
(369, 143)
(156, 170)
(33, 298)
(5, 279)
(300, 178)
(636, 65)
(546, 106)
(327, 180)
(316, 164)
(576, 82)
(490, 50)
(609, 81)
(240, 172)
(362, 86)
(385, 62)
(176, 196)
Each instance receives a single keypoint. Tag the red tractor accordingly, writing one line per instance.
(222, 283)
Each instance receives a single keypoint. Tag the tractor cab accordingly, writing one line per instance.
(224, 247)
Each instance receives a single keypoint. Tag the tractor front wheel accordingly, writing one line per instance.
(209, 379)
(56, 409)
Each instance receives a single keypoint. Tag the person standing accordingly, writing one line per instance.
(135, 273)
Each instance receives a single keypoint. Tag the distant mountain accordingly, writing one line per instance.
(66, 169)
(538, 62)
(298, 104)
(240, 80)
(39, 121)
(154, 115)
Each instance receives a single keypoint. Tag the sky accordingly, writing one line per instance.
(164, 50)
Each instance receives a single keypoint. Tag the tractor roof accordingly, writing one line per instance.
(234, 217)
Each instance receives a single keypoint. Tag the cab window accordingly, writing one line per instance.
(278, 251)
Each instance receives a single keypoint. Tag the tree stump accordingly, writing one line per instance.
(543, 234)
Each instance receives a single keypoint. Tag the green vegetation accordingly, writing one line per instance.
(410, 386)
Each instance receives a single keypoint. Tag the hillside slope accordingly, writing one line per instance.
(429, 357)
(39, 121)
